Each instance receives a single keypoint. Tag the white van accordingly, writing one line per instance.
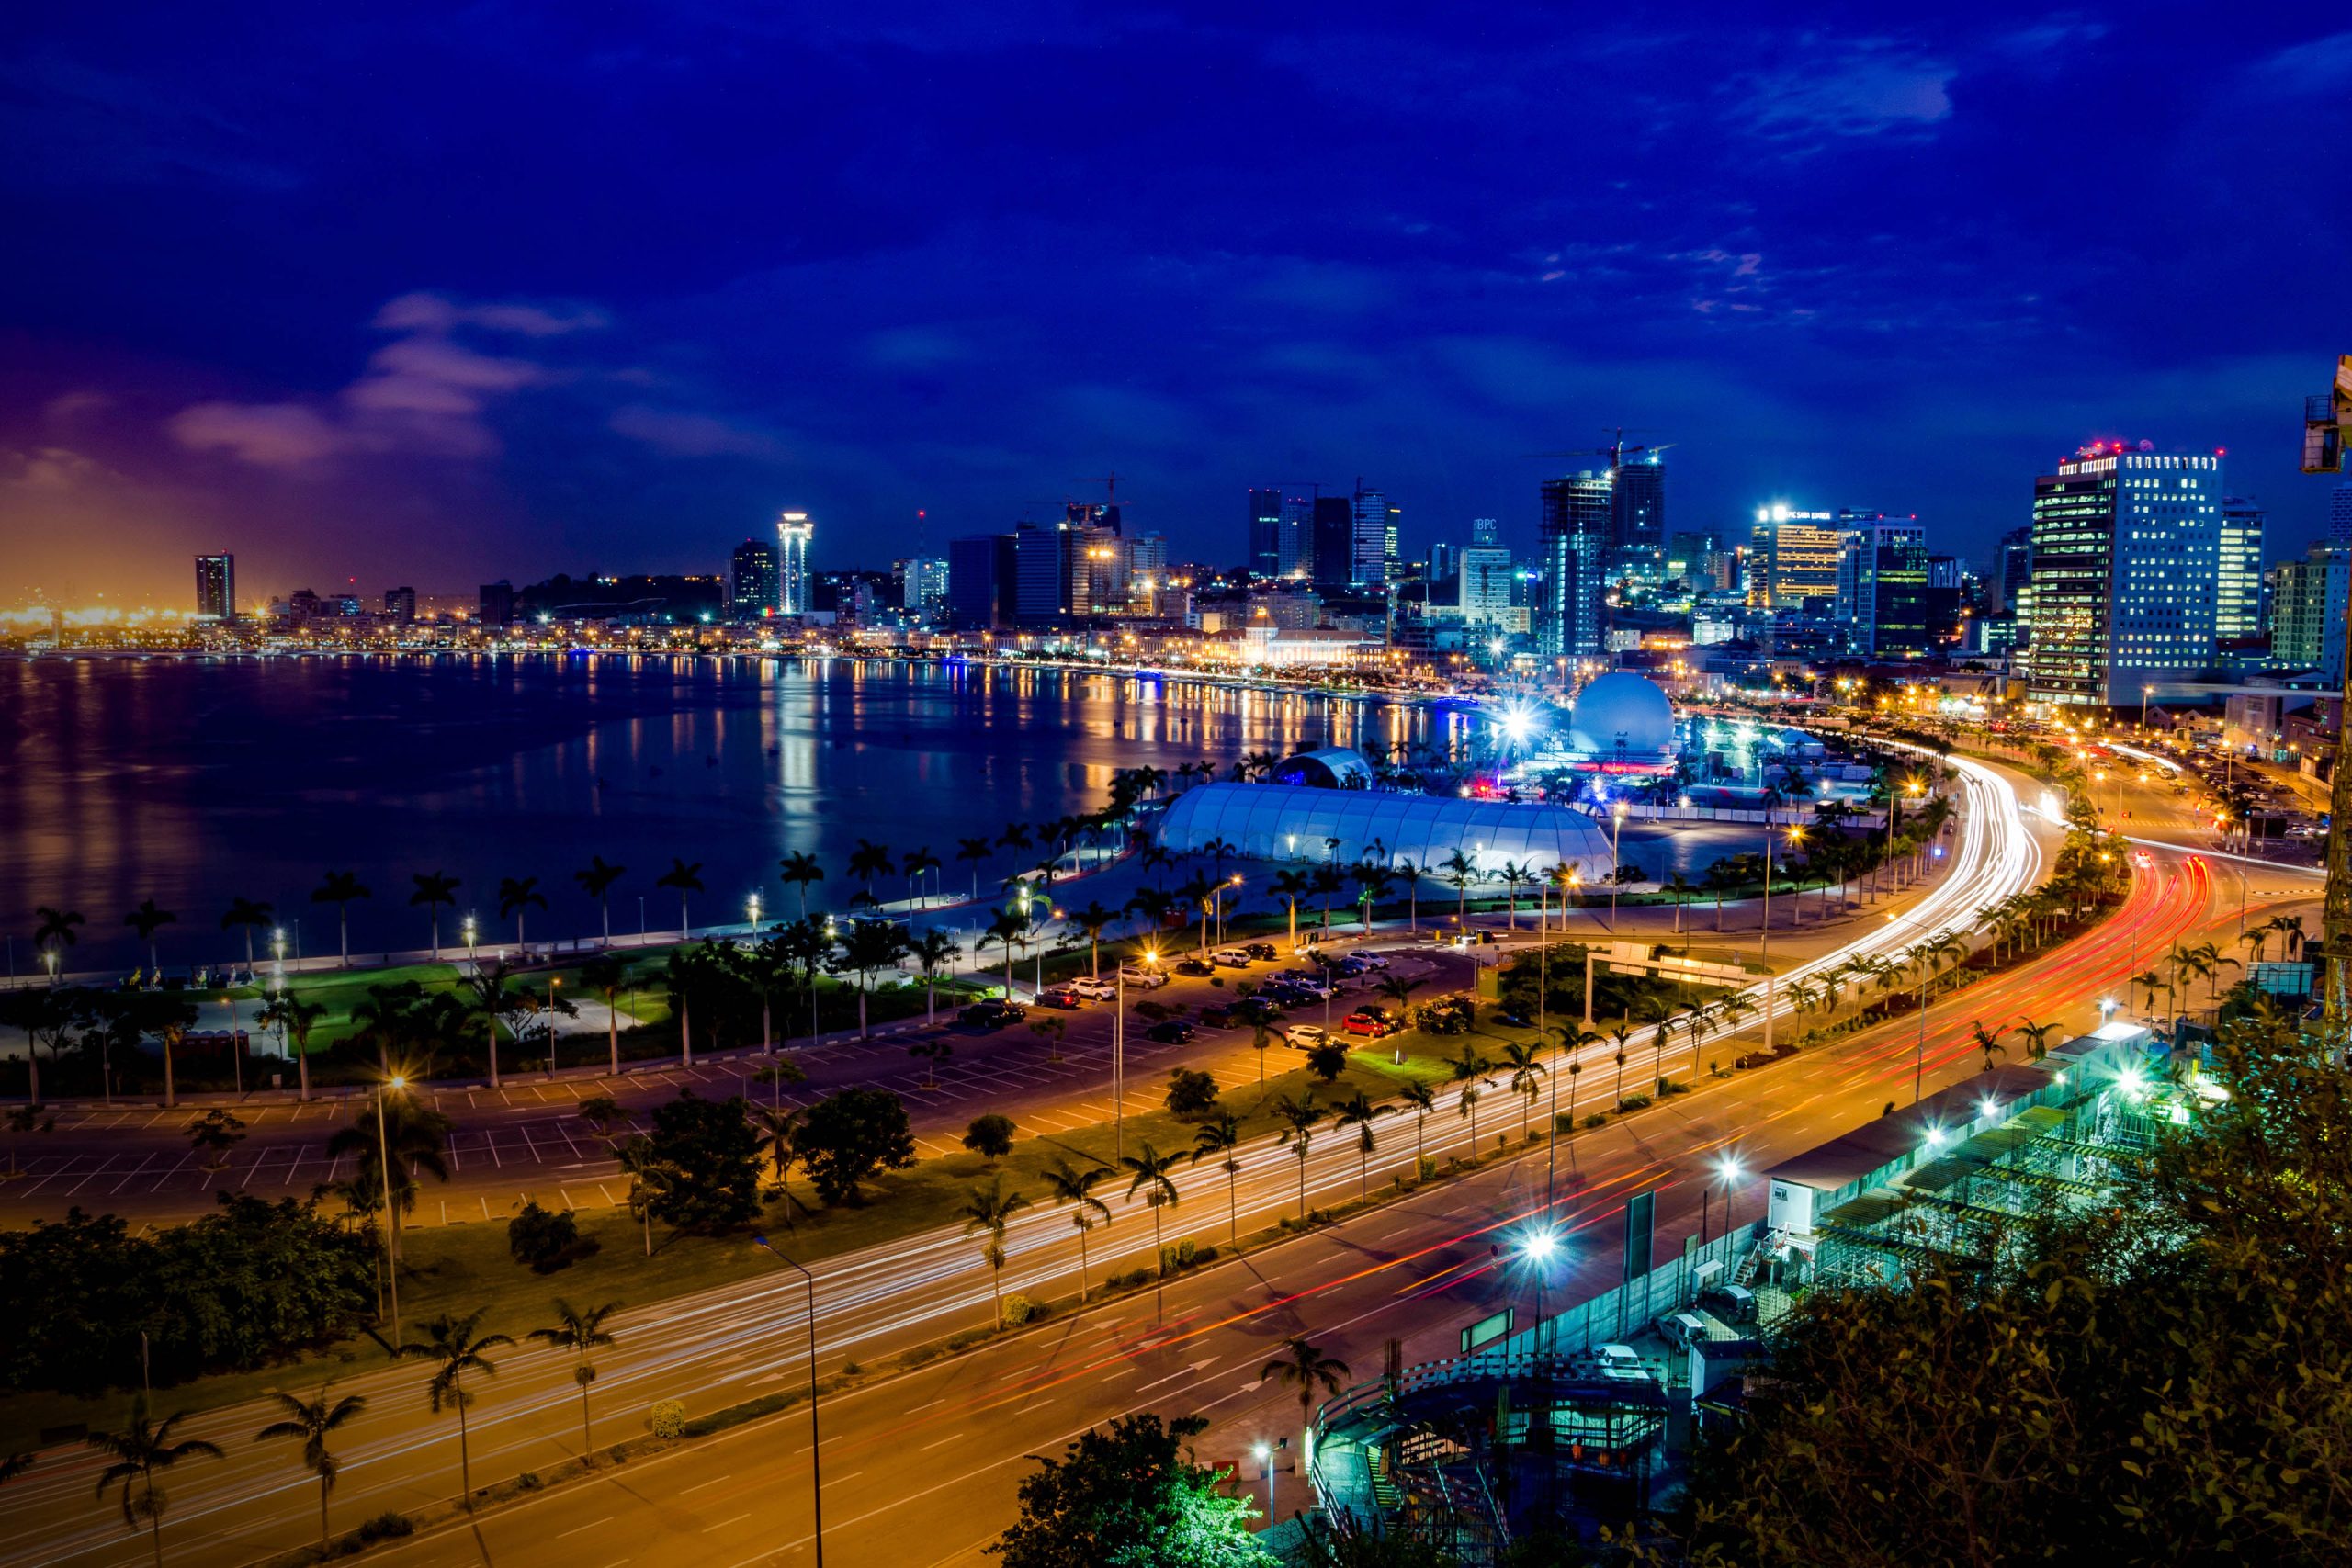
(1683, 1329)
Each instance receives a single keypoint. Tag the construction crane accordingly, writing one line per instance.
(2326, 418)
(1617, 451)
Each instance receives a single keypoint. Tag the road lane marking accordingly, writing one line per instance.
(700, 1485)
(941, 1444)
(724, 1523)
(590, 1525)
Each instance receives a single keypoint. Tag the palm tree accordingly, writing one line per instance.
(579, 1332)
(1305, 1368)
(1298, 1116)
(1462, 871)
(871, 946)
(1151, 1168)
(309, 1422)
(485, 994)
(868, 861)
(339, 888)
(298, 1018)
(245, 912)
(1359, 1113)
(1681, 888)
(686, 878)
(650, 1179)
(987, 1209)
(2037, 1039)
(1094, 919)
(416, 1137)
(147, 920)
(1221, 1137)
(1077, 1188)
(451, 1344)
(1989, 1041)
(1471, 1070)
(140, 1450)
(517, 894)
(800, 870)
(1005, 929)
(606, 976)
(54, 934)
(934, 950)
(977, 850)
(1421, 1100)
(596, 880)
(776, 1124)
(1526, 1079)
(1290, 887)
(433, 889)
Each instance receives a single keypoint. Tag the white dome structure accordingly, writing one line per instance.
(1623, 717)
(1299, 822)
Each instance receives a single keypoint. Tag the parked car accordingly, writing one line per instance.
(1511, 1016)
(1091, 989)
(1305, 1036)
(1264, 952)
(1287, 996)
(1314, 986)
(1372, 960)
(1370, 1021)
(1193, 966)
(1061, 997)
(1170, 1032)
(1230, 958)
(1733, 1303)
(993, 1013)
(1349, 968)
(1223, 1015)
(1150, 979)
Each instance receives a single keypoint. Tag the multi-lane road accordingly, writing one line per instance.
(920, 1468)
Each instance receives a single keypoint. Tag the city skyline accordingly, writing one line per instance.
(951, 331)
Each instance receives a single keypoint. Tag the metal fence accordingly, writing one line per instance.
(1624, 1310)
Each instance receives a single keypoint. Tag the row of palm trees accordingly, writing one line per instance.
(455, 1348)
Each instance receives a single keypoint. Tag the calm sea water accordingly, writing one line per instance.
(193, 781)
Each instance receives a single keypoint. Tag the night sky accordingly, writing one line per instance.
(460, 292)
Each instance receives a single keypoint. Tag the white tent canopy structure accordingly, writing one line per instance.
(1289, 822)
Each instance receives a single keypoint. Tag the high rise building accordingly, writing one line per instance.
(2307, 610)
(1797, 561)
(1266, 532)
(1146, 567)
(1369, 537)
(1638, 504)
(2126, 553)
(1296, 556)
(494, 605)
(2339, 515)
(2237, 604)
(1573, 537)
(922, 587)
(1882, 580)
(2013, 570)
(1486, 578)
(794, 533)
(1445, 560)
(754, 583)
(1485, 531)
(1331, 550)
(982, 577)
(1042, 570)
(400, 605)
(216, 588)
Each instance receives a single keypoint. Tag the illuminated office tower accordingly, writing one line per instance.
(1266, 532)
(2237, 606)
(2127, 546)
(1573, 539)
(216, 588)
(793, 534)
(751, 583)
(1798, 559)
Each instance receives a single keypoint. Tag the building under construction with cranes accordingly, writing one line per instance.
(2327, 418)
(1588, 1417)
(1597, 527)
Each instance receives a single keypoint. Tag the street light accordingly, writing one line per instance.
(384, 1172)
(751, 909)
(1616, 860)
(1538, 1248)
(1264, 1454)
(1727, 1171)
(1150, 957)
(816, 1481)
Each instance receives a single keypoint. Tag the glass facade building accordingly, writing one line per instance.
(1272, 821)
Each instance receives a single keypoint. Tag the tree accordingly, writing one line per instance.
(596, 880)
(311, 1423)
(1989, 1042)
(1299, 1116)
(518, 896)
(1221, 1138)
(1358, 1112)
(1326, 1059)
(935, 1054)
(579, 1332)
(915, 863)
(1421, 1100)
(686, 878)
(541, 1239)
(851, 1137)
(147, 920)
(607, 977)
(214, 1133)
(250, 914)
(871, 946)
(1526, 1078)
(1094, 919)
(454, 1348)
(1007, 929)
(415, 1138)
(1290, 887)
(485, 996)
(1076, 1188)
(651, 1181)
(987, 1209)
(1151, 1168)
(1470, 1071)
(1191, 1093)
(138, 1450)
(712, 1146)
(435, 890)
(298, 1018)
(800, 871)
(990, 1136)
(2037, 1039)
(934, 950)
(341, 889)
(1304, 1369)
(1130, 1496)
(977, 850)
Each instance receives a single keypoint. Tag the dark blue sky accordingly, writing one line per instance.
(500, 290)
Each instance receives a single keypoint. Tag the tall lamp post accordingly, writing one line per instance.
(1726, 1171)
(1150, 955)
(384, 1172)
(1616, 862)
(816, 1445)
(1796, 894)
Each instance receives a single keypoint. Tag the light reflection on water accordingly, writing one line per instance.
(197, 781)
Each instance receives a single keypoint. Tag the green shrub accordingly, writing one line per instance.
(1634, 1102)
(1018, 1310)
(1176, 1257)
(542, 1239)
(386, 1526)
(1597, 1119)
(667, 1419)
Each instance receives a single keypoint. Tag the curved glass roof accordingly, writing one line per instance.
(1285, 822)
